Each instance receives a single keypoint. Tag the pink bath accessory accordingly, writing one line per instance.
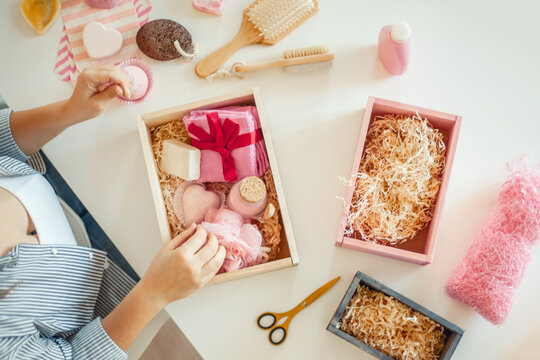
(487, 277)
(192, 202)
(394, 47)
(103, 4)
(140, 77)
(231, 143)
(214, 7)
(242, 241)
(101, 42)
(248, 197)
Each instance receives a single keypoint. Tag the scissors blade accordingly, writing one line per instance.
(319, 292)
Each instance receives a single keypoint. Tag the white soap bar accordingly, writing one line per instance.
(101, 42)
(180, 159)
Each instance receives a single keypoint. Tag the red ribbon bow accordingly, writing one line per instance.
(223, 139)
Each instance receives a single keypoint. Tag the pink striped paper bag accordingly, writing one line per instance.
(127, 18)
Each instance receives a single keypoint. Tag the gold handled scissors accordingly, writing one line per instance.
(278, 332)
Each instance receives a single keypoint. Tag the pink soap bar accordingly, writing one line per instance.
(250, 160)
(214, 7)
(394, 48)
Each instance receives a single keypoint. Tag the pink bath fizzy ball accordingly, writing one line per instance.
(103, 4)
(489, 274)
(138, 81)
(140, 77)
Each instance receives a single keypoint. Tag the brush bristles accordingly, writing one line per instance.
(274, 17)
(307, 51)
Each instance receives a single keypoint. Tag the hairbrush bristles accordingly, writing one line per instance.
(274, 17)
(307, 51)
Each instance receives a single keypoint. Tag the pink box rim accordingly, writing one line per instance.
(401, 254)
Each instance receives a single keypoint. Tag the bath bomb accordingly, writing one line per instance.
(191, 202)
(103, 4)
(140, 77)
(138, 80)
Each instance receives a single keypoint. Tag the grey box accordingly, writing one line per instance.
(454, 332)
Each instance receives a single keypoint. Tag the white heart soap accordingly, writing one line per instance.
(101, 42)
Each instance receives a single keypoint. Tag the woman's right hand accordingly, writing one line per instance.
(183, 265)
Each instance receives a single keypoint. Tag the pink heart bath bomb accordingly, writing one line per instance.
(192, 201)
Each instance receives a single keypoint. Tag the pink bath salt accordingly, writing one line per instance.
(497, 260)
(214, 7)
(242, 241)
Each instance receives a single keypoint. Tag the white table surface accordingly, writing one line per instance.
(479, 59)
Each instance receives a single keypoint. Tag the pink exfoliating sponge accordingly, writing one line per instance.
(140, 77)
(499, 255)
(242, 240)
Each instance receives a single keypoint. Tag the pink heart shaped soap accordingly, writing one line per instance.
(101, 42)
(192, 201)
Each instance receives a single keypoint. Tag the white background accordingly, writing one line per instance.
(479, 59)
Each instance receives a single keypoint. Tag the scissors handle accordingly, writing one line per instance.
(260, 320)
(278, 333)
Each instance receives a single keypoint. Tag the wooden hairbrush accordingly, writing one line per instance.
(264, 22)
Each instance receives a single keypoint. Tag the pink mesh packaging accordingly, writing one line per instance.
(488, 275)
(226, 156)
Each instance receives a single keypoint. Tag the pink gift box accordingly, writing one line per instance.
(421, 248)
(249, 160)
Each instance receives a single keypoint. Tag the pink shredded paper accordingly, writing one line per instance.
(500, 253)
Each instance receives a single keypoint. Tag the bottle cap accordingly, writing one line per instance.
(401, 32)
(252, 189)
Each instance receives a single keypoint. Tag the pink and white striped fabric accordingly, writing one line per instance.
(127, 18)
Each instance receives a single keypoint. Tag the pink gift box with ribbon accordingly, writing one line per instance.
(231, 143)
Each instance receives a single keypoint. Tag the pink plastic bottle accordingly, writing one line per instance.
(248, 197)
(394, 47)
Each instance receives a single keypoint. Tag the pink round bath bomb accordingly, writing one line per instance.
(138, 80)
(103, 4)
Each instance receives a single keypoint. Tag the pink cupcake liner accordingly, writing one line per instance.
(144, 67)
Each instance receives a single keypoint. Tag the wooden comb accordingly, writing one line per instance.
(264, 22)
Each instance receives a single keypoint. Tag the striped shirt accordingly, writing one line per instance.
(59, 294)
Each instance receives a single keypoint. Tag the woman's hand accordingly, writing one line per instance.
(183, 265)
(95, 88)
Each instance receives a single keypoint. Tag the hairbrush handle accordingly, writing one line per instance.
(247, 35)
(285, 62)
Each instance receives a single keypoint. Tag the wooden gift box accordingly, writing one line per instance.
(454, 332)
(287, 255)
(421, 248)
